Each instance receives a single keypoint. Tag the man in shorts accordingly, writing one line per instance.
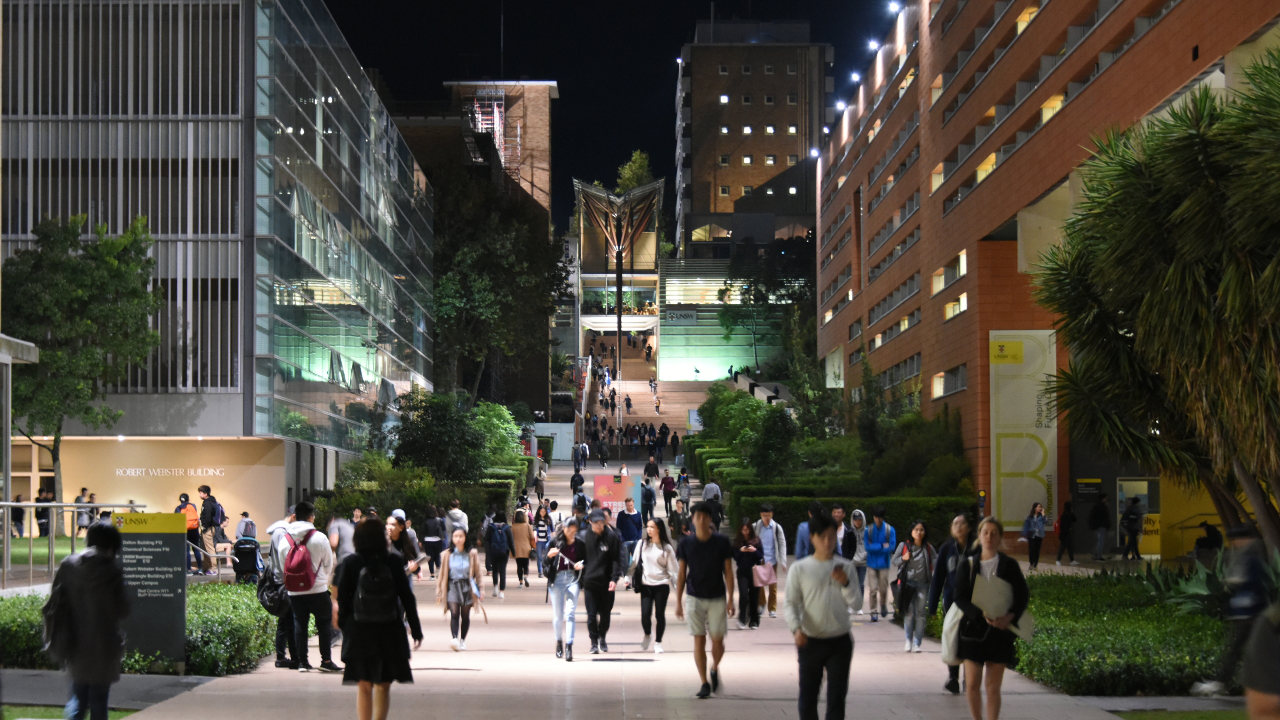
(706, 573)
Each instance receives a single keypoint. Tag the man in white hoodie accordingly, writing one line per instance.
(453, 520)
(286, 651)
(313, 599)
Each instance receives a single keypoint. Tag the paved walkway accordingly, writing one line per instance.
(509, 671)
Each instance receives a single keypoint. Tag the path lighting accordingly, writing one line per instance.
(872, 45)
(855, 77)
(813, 152)
(840, 105)
(894, 7)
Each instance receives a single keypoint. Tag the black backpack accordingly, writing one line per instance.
(647, 497)
(498, 539)
(271, 593)
(376, 597)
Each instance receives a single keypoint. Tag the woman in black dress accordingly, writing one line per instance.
(374, 601)
(987, 644)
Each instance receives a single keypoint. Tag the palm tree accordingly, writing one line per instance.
(1168, 288)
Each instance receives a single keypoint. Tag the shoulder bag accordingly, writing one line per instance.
(637, 577)
(764, 575)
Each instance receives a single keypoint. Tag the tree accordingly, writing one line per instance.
(1168, 288)
(818, 409)
(86, 304)
(773, 453)
(501, 433)
(438, 434)
(634, 172)
(767, 277)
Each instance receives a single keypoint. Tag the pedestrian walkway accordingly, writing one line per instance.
(509, 670)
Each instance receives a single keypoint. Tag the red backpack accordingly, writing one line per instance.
(299, 575)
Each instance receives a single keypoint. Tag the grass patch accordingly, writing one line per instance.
(61, 549)
(51, 712)
(1192, 715)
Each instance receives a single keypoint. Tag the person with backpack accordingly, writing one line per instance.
(432, 540)
(498, 543)
(270, 584)
(374, 602)
(304, 554)
(1100, 524)
(455, 519)
(1131, 523)
(629, 525)
(648, 499)
(880, 539)
(458, 586)
(211, 518)
(87, 602)
(188, 509)
(912, 564)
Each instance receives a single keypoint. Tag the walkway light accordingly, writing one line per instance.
(872, 45)
(855, 77)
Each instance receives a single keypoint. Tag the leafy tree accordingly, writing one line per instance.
(634, 173)
(1168, 288)
(438, 434)
(501, 433)
(773, 453)
(767, 277)
(868, 409)
(86, 304)
(818, 409)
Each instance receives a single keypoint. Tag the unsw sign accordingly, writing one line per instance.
(677, 315)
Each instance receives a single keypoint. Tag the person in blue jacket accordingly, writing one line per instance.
(880, 539)
(804, 547)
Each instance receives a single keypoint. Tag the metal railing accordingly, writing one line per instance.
(6, 524)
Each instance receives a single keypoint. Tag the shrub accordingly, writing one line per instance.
(21, 633)
(732, 477)
(545, 446)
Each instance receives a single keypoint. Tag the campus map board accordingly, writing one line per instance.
(155, 580)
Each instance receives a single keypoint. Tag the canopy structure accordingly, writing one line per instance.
(622, 218)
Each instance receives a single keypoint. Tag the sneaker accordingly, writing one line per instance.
(462, 644)
(715, 680)
(705, 692)
(916, 648)
(760, 611)
(657, 649)
(952, 686)
(1073, 562)
(595, 648)
(285, 664)
(526, 581)
(644, 644)
(604, 646)
(875, 618)
(328, 666)
(754, 626)
(742, 625)
(502, 596)
(335, 638)
(1204, 689)
(859, 612)
(454, 644)
(304, 667)
(773, 614)
(907, 647)
(1058, 563)
(495, 592)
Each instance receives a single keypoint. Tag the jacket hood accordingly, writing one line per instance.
(455, 513)
(859, 515)
(277, 525)
(299, 528)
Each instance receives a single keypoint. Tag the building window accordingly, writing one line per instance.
(951, 381)
(791, 191)
(949, 273)
(1025, 18)
(746, 99)
(724, 191)
(770, 159)
(855, 330)
(1051, 107)
(746, 159)
(724, 161)
(746, 129)
(746, 190)
(793, 159)
(768, 191)
(768, 99)
(769, 129)
(724, 129)
(724, 99)
(792, 99)
(724, 69)
(746, 69)
(768, 69)
(791, 69)
(955, 307)
(793, 129)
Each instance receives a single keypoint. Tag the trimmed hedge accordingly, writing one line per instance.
(545, 445)
(899, 511)
(702, 455)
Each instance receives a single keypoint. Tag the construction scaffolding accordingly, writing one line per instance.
(488, 111)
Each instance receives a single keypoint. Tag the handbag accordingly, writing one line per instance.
(637, 577)
(951, 635)
(763, 575)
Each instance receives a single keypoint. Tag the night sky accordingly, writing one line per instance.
(615, 62)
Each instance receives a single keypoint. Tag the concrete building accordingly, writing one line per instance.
(292, 228)
(752, 105)
(954, 167)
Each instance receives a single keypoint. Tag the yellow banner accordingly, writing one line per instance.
(151, 523)
(1006, 352)
(1149, 543)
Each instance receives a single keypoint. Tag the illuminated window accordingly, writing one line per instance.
(724, 69)
(939, 177)
(724, 99)
(724, 191)
(936, 89)
(949, 273)
(1051, 107)
(1026, 17)
(793, 159)
(724, 161)
(746, 190)
(746, 99)
(746, 69)
(793, 129)
(768, 69)
(791, 69)
(792, 99)
(791, 191)
(955, 307)
(746, 159)
(953, 380)
(768, 99)
(746, 129)
(768, 191)
(986, 167)
(724, 129)
(769, 129)
(770, 159)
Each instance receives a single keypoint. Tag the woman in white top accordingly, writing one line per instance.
(658, 572)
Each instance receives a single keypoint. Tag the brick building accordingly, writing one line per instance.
(954, 167)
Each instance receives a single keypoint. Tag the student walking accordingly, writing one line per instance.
(683, 488)
(854, 549)
(374, 602)
(821, 589)
(630, 525)
(706, 574)
(458, 586)
(565, 560)
(523, 544)
(880, 539)
(400, 543)
(543, 528)
(84, 516)
(432, 540)
(87, 602)
(498, 543)
(307, 559)
(605, 560)
(679, 523)
(773, 543)
(950, 558)
(668, 491)
(1033, 534)
(1100, 525)
(747, 554)
(1131, 523)
(986, 643)
(652, 573)
(286, 641)
(913, 565)
(1066, 526)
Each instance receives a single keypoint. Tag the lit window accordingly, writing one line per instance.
(724, 129)
(768, 191)
(1026, 17)
(769, 129)
(724, 191)
(746, 129)
(724, 161)
(935, 90)
(1051, 107)
(955, 307)
(746, 159)
(949, 273)
(724, 69)
(791, 191)
(985, 168)
(953, 380)
(746, 189)
(768, 69)
(793, 129)
(746, 69)
(793, 159)
(724, 99)
(791, 69)
(939, 177)
(768, 99)
(770, 159)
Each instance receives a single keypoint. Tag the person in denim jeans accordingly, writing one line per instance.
(543, 528)
(563, 569)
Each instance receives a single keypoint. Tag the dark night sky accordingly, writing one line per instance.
(615, 62)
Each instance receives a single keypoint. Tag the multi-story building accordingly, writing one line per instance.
(954, 167)
(292, 236)
(752, 106)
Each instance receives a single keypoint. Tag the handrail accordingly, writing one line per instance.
(5, 522)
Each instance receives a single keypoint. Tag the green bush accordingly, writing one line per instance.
(21, 633)
(733, 477)
(701, 457)
(715, 463)
(545, 446)
(899, 511)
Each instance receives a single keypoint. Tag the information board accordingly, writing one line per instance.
(613, 490)
(155, 579)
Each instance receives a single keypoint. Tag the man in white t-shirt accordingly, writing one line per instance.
(310, 601)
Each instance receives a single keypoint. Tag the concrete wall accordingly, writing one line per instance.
(562, 448)
(168, 415)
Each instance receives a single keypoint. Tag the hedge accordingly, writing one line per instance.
(545, 446)
(702, 455)
(716, 464)
(899, 512)
(227, 632)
